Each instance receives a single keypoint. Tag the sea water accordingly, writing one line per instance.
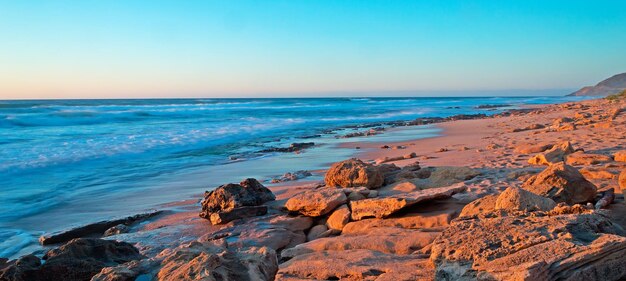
(69, 162)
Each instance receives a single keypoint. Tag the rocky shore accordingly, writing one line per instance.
(533, 194)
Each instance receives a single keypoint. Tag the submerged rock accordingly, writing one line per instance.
(233, 201)
(562, 183)
(352, 173)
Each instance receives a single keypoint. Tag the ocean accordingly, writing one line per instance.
(69, 162)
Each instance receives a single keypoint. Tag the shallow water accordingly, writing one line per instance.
(70, 162)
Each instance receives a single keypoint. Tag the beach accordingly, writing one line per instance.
(308, 230)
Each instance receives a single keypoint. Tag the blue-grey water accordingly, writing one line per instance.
(69, 162)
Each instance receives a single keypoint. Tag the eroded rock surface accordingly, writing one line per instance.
(583, 246)
(215, 261)
(79, 259)
(355, 265)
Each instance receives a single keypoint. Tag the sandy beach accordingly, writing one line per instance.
(310, 231)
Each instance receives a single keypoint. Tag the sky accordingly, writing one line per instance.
(237, 48)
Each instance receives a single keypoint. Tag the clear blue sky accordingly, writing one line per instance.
(70, 49)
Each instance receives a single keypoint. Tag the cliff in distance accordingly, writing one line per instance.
(610, 86)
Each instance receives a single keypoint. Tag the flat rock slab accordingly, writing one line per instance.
(355, 265)
(384, 206)
(391, 240)
(92, 229)
(550, 246)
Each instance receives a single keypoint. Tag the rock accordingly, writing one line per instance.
(93, 229)
(294, 147)
(622, 180)
(316, 232)
(562, 183)
(480, 206)
(391, 240)
(274, 231)
(118, 229)
(620, 156)
(353, 172)
(432, 177)
(529, 127)
(433, 215)
(315, 203)
(566, 127)
(354, 265)
(212, 261)
(339, 218)
(233, 201)
(582, 246)
(372, 194)
(413, 155)
(354, 196)
(292, 176)
(586, 159)
(596, 173)
(517, 199)
(532, 148)
(79, 259)
(554, 155)
(237, 213)
(384, 206)
(25, 268)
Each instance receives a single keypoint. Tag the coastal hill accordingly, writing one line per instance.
(610, 86)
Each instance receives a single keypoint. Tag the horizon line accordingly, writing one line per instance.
(333, 94)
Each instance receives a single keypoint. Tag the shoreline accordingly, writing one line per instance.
(489, 147)
(448, 128)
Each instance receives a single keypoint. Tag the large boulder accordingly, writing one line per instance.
(581, 158)
(517, 199)
(79, 259)
(581, 246)
(555, 154)
(233, 201)
(562, 183)
(315, 203)
(352, 173)
(216, 261)
(382, 207)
